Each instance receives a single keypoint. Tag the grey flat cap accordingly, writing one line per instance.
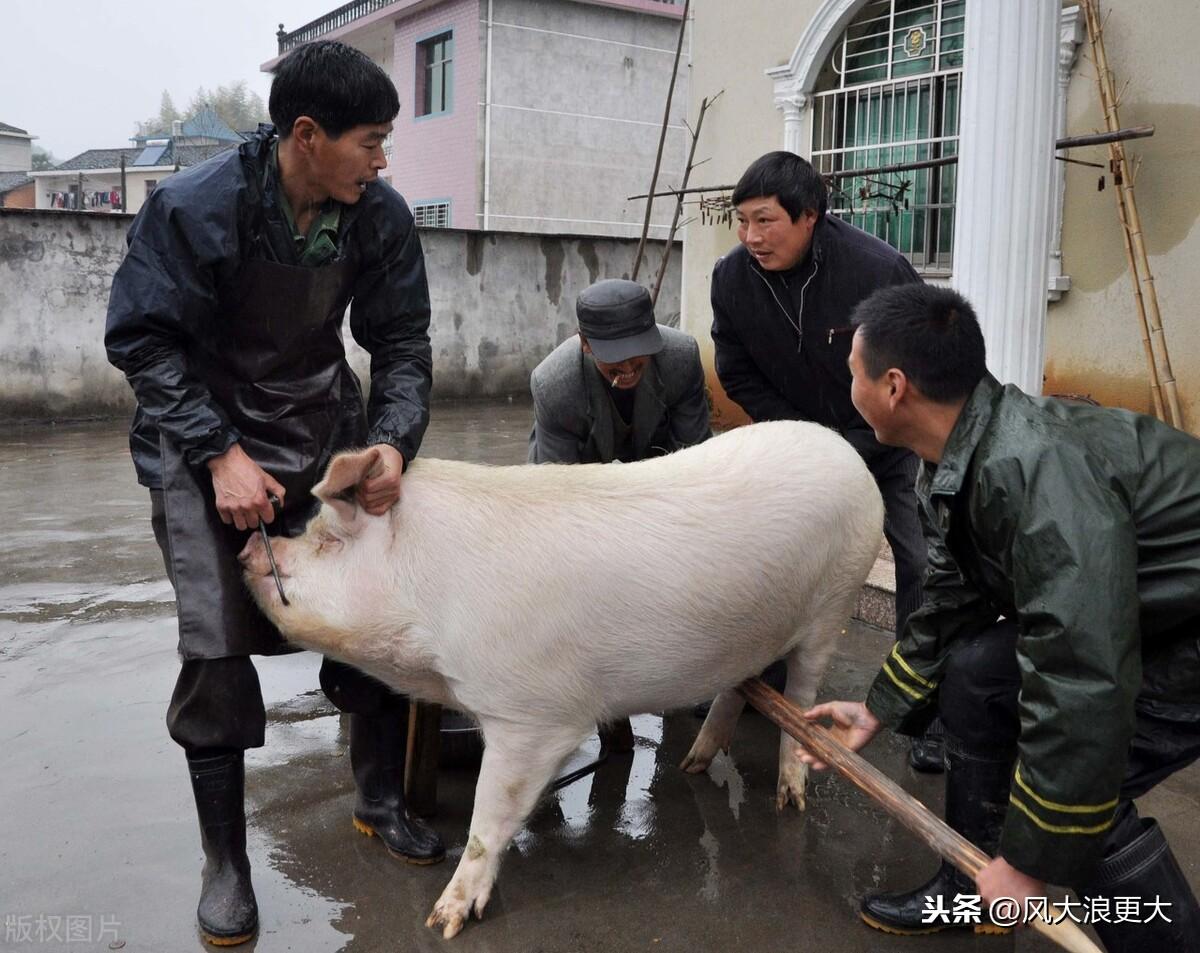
(617, 319)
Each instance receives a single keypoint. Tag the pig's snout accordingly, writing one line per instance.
(253, 556)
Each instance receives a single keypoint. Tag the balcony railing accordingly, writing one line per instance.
(343, 15)
(347, 14)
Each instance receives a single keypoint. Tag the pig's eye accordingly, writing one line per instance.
(328, 543)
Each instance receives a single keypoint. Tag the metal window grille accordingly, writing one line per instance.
(435, 74)
(889, 94)
(432, 214)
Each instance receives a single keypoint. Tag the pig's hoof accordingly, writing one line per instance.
(785, 795)
(451, 922)
(704, 749)
(792, 782)
(695, 764)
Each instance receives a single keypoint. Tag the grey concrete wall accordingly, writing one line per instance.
(577, 101)
(501, 302)
(15, 154)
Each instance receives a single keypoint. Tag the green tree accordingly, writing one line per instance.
(167, 114)
(42, 159)
(238, 106)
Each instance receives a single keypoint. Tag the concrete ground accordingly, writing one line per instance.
(97, 828)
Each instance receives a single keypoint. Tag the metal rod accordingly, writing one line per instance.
(262, 528)
(1068, 142)
(894, 799)
(1103, 138)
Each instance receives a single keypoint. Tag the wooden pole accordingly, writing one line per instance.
(662, 138)
(895, 800)
(422, 750)
(687, 173)
(1131, 222)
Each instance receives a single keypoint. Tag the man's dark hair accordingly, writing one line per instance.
(794, 183)
(930, 333)
(334, 84)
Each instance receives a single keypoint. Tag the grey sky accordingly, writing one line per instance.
(78, 74)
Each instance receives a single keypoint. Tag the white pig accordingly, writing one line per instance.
(545, 599)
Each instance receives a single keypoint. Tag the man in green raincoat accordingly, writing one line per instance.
(1060, 634)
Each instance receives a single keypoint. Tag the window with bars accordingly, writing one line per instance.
(435, 75)
(431, 214)
(889, 95)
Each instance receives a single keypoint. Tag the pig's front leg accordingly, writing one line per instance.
(518, 763)
(716, 734)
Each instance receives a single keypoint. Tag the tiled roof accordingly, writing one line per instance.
(97, 159)
(111, 158)
(207, 123)
(5, 127)
(12, 180)
(194, 155)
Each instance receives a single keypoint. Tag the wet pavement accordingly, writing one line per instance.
(98, 841)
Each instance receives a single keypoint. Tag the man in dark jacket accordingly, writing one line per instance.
(1080, 527)
(781, 306)
(624, 388)
(226, 318)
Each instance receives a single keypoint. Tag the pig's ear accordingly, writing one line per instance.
(346, 471)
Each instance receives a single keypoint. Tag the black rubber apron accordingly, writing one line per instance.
(281, 376)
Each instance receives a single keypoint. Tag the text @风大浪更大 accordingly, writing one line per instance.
(968, 908)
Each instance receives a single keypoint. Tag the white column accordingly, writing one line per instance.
(1071, 32)
(1005, 174)
(793, 105)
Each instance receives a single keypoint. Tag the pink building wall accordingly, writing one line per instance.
(436, 157)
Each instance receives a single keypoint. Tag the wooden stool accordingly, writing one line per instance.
(421, 758)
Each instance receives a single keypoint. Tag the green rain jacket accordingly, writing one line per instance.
(1083, 524)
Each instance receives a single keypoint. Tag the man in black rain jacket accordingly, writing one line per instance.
(226, 318)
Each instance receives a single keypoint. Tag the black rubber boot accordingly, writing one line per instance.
(377, 744)
(228, 913)
(976, 799)
(1144, 867)
(928, 752)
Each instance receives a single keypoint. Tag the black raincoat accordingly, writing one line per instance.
(783, 338)
(225, 338)
(1083, 525)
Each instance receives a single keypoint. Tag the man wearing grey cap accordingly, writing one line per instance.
(624, 389)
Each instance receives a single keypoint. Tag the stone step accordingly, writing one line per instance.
(877, 600)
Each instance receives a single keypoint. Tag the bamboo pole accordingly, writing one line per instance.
(895, 800)
(1131, 221)
(1140, 306)
(662, 138)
